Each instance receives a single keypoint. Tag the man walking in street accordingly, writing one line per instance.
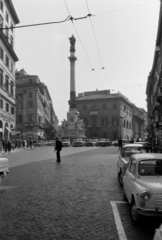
(120, 143)
(58, 148)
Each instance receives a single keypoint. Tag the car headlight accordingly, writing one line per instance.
(145, 196)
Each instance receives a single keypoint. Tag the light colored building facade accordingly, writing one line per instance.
(139, 123)
(8, 58)
(106, 115)
(154, 89)
(34, 113)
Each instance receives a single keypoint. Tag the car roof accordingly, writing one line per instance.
(147, 156)
(133, 145)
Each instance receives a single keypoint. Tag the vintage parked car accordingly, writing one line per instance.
(78, 144)
(66, 143)
(126, 152)
(142, 185)
(3, 168)
(50, 143)
(108, 142)
(40, 143)
(158, 233)
(115, 143)
(101, 142)
(90, 143)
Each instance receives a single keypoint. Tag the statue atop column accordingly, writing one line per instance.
(72, 43)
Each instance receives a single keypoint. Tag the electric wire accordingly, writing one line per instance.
(72, 18)
(121, 9)
(92, 69)
(36, 24)
(97, 46)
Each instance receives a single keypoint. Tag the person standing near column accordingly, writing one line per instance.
(58, 148)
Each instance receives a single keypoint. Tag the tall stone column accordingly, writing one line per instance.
(72, 59)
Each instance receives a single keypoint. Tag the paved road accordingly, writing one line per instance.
(42, 199)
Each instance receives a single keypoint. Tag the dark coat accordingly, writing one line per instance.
(58, 145)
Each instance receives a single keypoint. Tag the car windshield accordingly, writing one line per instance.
(150, 167)
(128, 151)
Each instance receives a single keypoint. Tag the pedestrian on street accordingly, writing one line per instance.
(8, 146)
(5, 145)
(132, 141)
(58, 148)
(30, 144)
(120, 143)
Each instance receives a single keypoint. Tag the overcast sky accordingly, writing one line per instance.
(120, 37)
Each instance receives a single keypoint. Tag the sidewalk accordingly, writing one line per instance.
(3, 153)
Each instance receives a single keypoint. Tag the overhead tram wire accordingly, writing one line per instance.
(37, 24)
(92, 69)
(47, 23)
(78, 18)
(102, 68)
(121, 9)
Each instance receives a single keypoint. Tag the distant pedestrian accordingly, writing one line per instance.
(120, 143)
(8, 146)
(132, 141)
(58, 148)
(30, 144)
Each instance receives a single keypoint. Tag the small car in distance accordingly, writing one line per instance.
(66, 143)
(40, 143)
(101, 142)
(78, 143)
(142, 185)
(115, 143)
(90, 143)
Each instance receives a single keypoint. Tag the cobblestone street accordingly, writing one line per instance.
(71, 200)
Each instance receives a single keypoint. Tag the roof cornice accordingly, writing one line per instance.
(12, 11)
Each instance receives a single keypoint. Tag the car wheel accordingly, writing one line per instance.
(120, 179)
(135, 216)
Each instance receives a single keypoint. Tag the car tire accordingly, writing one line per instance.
(135, 216)
(120, 179)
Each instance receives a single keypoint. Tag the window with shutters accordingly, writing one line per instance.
(12, 89)
(104, 121)
(1, 78)
(7, 107)
(6, 83)
(7, 61)
(30, 104)
(12, 110)
(1, 5)
(115, 121)
(30, 117)
(1, 53)
(30, 95)
(1, 103)
(1, 21)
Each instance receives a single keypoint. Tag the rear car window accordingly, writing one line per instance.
(150, 167)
